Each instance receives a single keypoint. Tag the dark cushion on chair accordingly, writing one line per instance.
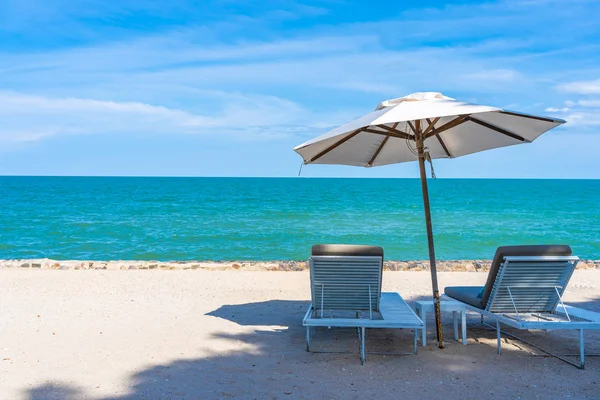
(466, 294)
(346, 250)
(530, 250)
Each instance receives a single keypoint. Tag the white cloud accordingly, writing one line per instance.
(576, 115)
(326, 66)
(189, 80)
(179, 49)
(495, 75)
(582, 87)
(582, 119)
(579, 114)
(245, 70)
(385, 58)
(589, 103)
(29, 118)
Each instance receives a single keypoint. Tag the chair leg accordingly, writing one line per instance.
(581, 349)
(424, 330)
(415, 340)
(463, 325)
(362, 346)
(308, 339)
(498, 337)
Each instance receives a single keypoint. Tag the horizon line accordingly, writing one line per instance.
(287, 177)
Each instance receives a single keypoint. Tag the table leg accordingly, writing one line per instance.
(463, 324)
(455, 321)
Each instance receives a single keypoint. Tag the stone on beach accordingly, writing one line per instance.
(270, 265)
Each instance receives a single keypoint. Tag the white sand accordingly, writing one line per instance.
(237, 334)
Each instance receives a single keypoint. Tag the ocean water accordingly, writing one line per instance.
(280, 218)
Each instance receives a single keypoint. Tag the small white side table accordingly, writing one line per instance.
(424, 307)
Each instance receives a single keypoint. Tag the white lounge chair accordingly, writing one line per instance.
(524, 290)
(345, 283)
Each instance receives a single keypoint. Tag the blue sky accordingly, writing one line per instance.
(228, 88)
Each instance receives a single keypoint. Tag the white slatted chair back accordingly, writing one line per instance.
(531, 284)
(350, 283)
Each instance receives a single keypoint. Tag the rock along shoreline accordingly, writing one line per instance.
(420, 265)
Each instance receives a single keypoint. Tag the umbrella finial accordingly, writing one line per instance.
(417, 96)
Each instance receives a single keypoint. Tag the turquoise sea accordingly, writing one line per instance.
(280, 218)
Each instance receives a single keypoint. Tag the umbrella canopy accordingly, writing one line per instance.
(450, 129)
(419, 127)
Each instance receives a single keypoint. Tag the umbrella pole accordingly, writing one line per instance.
(434, 282)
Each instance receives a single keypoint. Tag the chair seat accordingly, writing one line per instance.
(466, 294)
(395, 313)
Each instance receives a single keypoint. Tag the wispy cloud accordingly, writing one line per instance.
(254, 70)
(580, 119)
(581, 87)
(495, 75)
(589, 103)
(579, 114)
(30, 118)
(556, 110)
(27, 118)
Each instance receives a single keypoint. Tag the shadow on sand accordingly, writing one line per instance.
(270, 362)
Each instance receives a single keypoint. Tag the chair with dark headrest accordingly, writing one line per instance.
(345, 286)
(544, 270)
(524, 290)
(346, 277)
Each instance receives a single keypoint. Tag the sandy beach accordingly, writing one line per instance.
(198, 334)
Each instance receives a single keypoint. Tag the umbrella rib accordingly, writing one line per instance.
(448, 125)
(412, 127)
(497, 129)
(437, 135)
(393, 134)
(336, 144)
(401, 134)
(431, 124)
(439, 138)
(514, 114)
(383, 142)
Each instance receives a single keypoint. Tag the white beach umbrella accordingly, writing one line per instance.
(419, 127)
